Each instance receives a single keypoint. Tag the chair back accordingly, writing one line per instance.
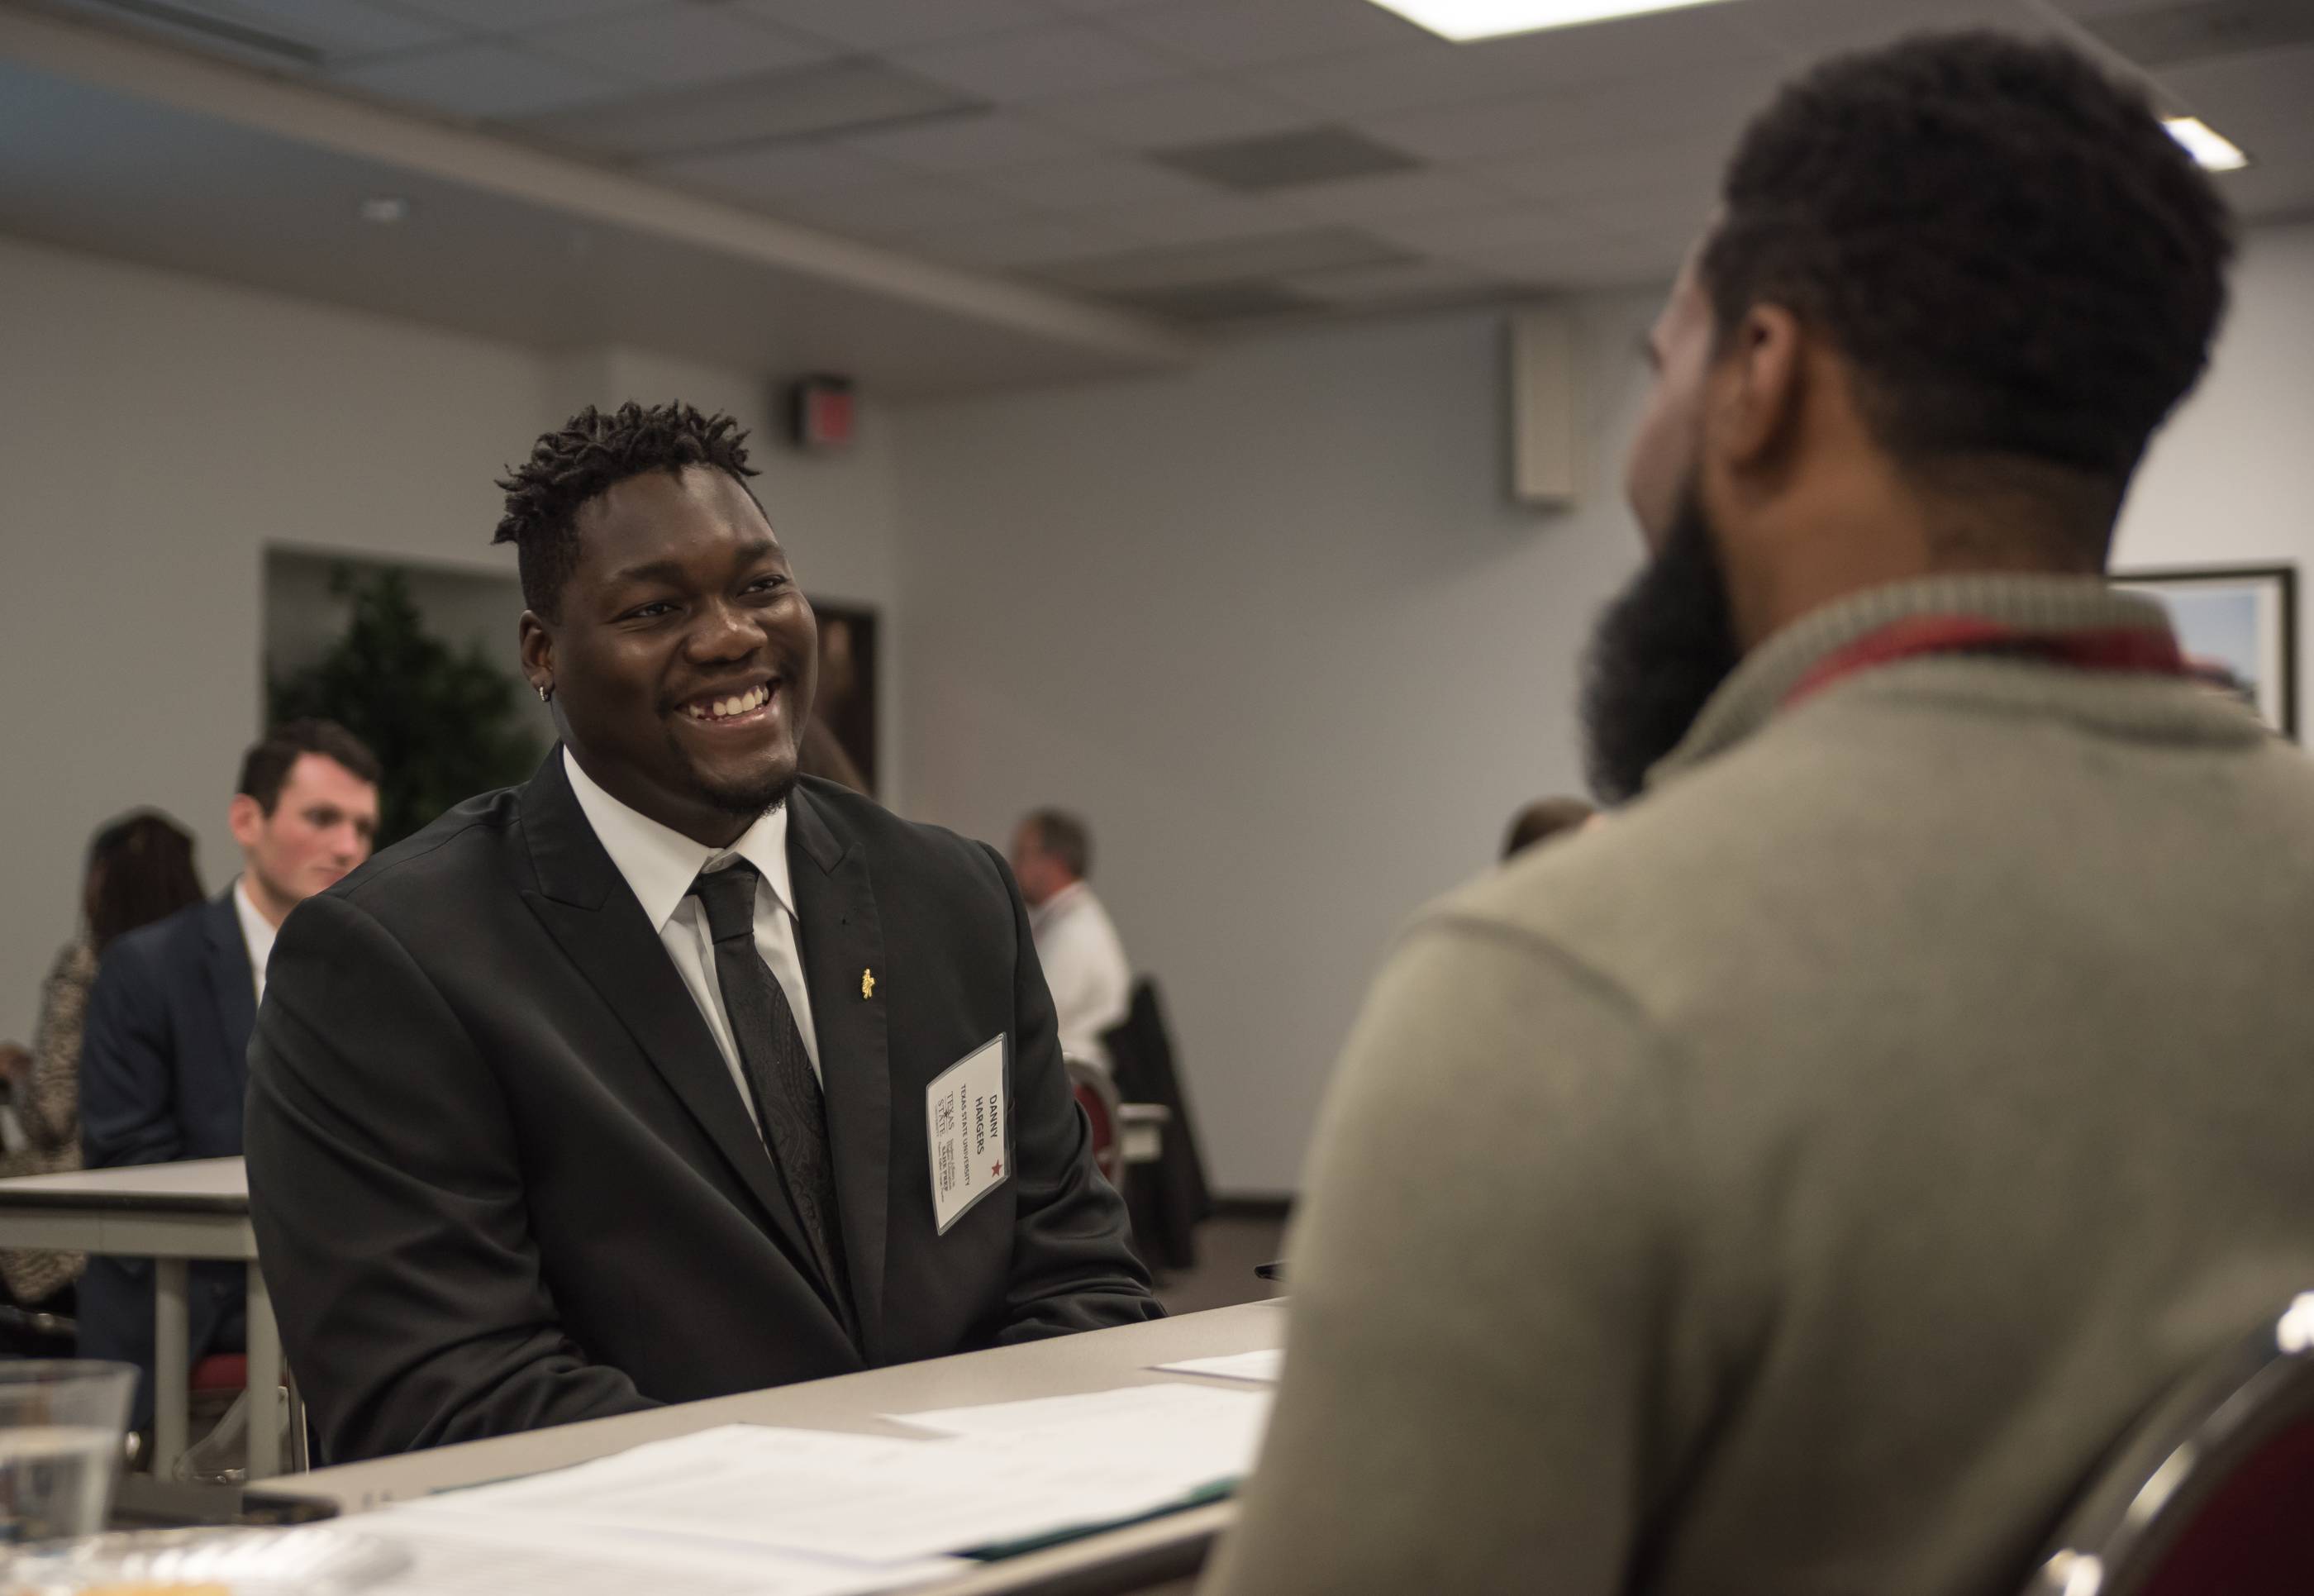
(1104, 1112)
(2213, 1491)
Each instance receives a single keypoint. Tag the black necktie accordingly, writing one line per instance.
(788, 1100)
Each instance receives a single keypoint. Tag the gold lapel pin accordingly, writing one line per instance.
(867, 984)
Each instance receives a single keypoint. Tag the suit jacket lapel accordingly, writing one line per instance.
(230, 980)
(587, 907)
(842, 942)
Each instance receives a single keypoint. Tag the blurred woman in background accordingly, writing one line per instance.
(140, 868)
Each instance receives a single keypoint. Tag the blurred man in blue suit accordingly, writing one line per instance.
(164, 1058)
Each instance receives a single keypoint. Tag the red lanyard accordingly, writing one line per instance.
(2116, 648)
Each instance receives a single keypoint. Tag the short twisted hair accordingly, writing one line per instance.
(592, 453)
(2016, 259)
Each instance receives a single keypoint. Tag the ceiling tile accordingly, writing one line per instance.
(335, 27)
(1810, 29)
(1366, 199)
(1501, 225)
(1244, 260)
(1191, 110)
(1093, 182)
(2269, 91)
(1692, 164)
(1398, 77)
(1484, 127)
(1418, 282)
(837, 96)
(1597, 262)
(1695, 40)
(1713, 106)
(898, 209)
(972, 143)
(1674, 209)
(1038, 63)
(275, 35)
(510, 16)
(775, 171)
(481, 80)
(1028, 242)
(1204, 220)
(1367, 83)
(675, 48)
(884, 24)
(1288, 159)
(1233, 33)
(1222, 302)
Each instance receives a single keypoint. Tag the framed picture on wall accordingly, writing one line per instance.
(2239, 626)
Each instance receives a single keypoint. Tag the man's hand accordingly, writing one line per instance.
(15, 1064)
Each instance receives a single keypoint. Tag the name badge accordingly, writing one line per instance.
(964, 1120)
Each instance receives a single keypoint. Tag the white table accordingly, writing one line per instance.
(171, 1214)
(1143, 1557)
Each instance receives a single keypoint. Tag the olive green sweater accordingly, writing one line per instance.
(1794, 1184)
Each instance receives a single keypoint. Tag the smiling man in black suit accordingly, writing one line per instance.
(654, 1078)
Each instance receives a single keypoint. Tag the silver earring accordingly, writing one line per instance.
(545, 690)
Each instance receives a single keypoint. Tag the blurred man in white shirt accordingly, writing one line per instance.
(1077, 943)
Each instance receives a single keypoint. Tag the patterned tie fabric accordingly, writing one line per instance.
(788, 1100)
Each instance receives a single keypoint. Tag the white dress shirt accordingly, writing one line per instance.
(1085, 969)
(257, 932)
(660, 864)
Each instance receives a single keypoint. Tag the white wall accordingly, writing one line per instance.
(2230, 482)
(1272, 626)
(156, 431)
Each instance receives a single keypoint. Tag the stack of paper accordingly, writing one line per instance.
(1263, 1367)
(803, 1511)
(468, 1554)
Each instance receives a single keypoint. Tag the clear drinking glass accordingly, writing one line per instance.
(61, 1424)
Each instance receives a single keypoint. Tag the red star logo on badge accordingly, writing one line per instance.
(995, 1170)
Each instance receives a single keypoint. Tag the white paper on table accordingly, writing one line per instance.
(1158, 1443)
(1262, 1367)
(863, 1497)
(1222, 1426)
(464, 1554)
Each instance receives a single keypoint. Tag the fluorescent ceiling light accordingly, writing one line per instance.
(1465, 20)
(2214, 150)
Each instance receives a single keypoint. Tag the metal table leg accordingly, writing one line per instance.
(264, 1381)
(171, 1370)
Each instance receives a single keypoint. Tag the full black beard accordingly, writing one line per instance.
(1661, 649)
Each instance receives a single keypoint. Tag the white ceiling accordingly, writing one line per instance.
(1077, 148)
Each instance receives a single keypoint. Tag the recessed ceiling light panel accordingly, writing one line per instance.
(1462, 20)
(384, 210)
(2211, 149)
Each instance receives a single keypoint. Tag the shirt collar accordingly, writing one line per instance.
(661, 863)
(257, 932)
(1758, 687)
(1058, 904)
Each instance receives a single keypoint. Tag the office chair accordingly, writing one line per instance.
(2213, 1493)
(1097, 1095)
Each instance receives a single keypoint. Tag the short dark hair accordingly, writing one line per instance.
(2019, 263)
(143, 868)
(591, 454)
(1544, 818)
(1062, 836)
(266, 767)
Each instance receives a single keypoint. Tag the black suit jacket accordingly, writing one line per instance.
(163, 1063)
(501, 1176)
